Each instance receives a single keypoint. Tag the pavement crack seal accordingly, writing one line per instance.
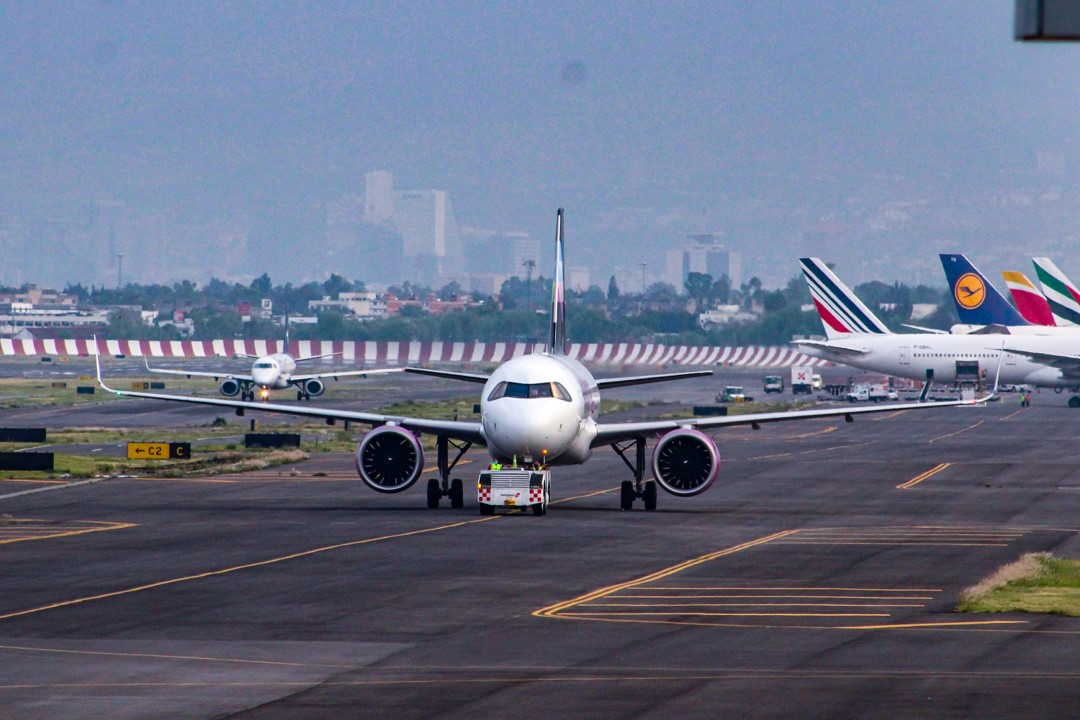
(238, 568)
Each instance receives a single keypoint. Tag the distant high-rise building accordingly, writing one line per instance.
(378, 197)
(522, 249)
(431, 242)
(707, 253)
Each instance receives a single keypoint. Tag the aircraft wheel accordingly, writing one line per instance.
(434, 493)
(649, 496)
(486, 509)
(457, 493)
(299, 395)
(626, 495)
(1074, 401)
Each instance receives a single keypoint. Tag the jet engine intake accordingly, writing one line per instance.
(389, 459)
(314, 387)
(229, 387)
(686, 462)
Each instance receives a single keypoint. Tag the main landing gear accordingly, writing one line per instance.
(443, 486)
(631, 490)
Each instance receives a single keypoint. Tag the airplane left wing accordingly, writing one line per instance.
(458, 430)
(197, 373)
(832, 346)
(608, 433)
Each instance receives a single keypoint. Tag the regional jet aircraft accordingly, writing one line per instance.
(273, 372)
(541, 408)
(858, 338)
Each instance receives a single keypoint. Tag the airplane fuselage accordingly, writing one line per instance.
(540, 408)
(273, 372)
(911, 356)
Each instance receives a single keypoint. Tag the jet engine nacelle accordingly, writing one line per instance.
(314, 387)
(229, 387)
(686, 462)
(389, 459)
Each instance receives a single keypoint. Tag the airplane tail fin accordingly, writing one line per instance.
(977, 301)
(1029, 301)
(842, 313)
(557, 343)
(1060, 292)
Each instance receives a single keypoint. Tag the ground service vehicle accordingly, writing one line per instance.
(733, 394)
(514, 489)
(774, 383)
(802, 379)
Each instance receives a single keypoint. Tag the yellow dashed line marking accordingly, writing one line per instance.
(928, 474)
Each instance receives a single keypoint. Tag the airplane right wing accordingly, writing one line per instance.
(456, 429)
(197, 373)
(449, 374)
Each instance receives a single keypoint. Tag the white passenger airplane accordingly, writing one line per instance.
(273, 372)
(541, 408)
(858, 338)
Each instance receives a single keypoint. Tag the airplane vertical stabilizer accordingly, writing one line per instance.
(557, 343)
(1029, 301)
(841, 311)
(1060, 292)
(977, 301)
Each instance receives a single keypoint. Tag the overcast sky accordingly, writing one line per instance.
(645, 120)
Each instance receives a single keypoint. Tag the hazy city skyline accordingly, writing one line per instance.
(202, 140)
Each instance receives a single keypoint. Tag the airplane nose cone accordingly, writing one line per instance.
(263, 376)
(528, 431)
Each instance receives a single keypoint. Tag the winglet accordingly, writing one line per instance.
(557, 344)
(97, 364)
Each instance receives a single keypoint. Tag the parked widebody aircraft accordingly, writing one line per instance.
(1061, 293)
(1039, 360)
(541, 408)
(1030, 303)
(272, 372)
(982, 309)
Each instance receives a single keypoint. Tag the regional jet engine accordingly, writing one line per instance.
(389, 459)
(314, 387)
(685, 462)
(229, 387)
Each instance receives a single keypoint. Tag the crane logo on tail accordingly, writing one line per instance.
(969, 291)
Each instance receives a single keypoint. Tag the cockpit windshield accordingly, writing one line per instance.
(264, 365)
(529, 390)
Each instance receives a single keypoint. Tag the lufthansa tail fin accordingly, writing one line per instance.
(557, 343)
(1061, 294)
(977, 301)
(841, 312)
(1029, 301)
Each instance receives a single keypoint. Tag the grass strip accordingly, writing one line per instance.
(1036, 583)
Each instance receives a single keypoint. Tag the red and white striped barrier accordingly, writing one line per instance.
(422, 353)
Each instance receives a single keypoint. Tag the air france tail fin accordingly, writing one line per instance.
(977, 301)
(1029, 301)
(557, 343)
(841, 311)
(1060, 292)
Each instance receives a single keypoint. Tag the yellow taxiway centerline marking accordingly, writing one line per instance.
(772, 597)
(929, 473)
(246, 566)
(67, 533)
(551, 610)
(160, 656)
(961, 430)
(1016, 412)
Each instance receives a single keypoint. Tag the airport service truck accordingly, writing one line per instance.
(514, 489)
(802, 379)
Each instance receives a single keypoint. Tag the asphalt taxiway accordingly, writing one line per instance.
(816, 579)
